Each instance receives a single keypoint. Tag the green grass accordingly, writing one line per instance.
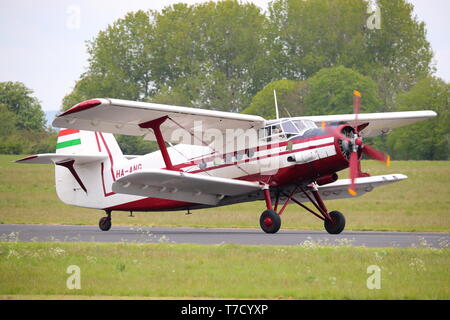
(421, 203)
(167, 270)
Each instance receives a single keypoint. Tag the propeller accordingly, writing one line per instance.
(355, 143)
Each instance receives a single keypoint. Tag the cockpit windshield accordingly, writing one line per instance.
(289, 127)
(286, 128)
(304, 125)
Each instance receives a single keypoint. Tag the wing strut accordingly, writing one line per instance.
(155, 125)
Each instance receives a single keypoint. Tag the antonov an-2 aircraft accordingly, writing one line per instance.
(211, 158)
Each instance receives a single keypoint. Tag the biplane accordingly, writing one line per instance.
(208, 158)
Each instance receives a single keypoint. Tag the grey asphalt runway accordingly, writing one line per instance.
(218, 236)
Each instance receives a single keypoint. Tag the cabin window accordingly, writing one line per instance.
(261, 133)
(228, 158)
(277, 132)
(218, 161)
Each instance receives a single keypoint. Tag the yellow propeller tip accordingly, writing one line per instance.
(357, 93)
(352, 192)
(388, 161)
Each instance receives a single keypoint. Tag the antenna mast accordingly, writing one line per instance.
(276, 104)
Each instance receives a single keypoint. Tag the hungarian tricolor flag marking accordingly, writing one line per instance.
(68, 138)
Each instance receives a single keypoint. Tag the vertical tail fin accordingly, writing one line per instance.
(87, 184)
(72, 141)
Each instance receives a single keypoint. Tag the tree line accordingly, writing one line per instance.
(23, 128)
(230, 55)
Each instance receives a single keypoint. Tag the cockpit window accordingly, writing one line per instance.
(286, 128)
(304, 125)
(289, 127)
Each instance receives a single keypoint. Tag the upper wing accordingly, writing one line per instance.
(181, 186)
(124, 117)
(377, 123)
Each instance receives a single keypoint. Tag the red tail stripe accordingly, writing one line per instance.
(66, 132)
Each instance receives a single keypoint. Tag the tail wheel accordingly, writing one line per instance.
(337, 225)
(105, 223)
(270, 221)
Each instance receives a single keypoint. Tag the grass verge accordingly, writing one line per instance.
(166, 270)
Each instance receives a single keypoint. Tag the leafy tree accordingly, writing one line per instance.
(331, 92)
(84, 90)
(132, 145)
(397, 55)
(176, 96)
(429, 139)
(206, 55)
(26, 108)
(119, 62)
(8, 120)
(306, 36)
(23, 122)
(290, 97)
(209, 53)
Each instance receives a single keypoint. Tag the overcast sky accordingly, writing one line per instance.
(42, 42)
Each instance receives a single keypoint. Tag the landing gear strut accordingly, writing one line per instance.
(105, 222)
(270, 221)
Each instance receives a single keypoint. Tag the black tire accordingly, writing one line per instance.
(105, 223)
(270, 221)
(338, 223)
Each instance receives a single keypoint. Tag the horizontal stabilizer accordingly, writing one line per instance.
(181, 186)
(54, 158)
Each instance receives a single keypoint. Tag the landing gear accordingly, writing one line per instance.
(105, 222)
(337, 224)
(270, 221)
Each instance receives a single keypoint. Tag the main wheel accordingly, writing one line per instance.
(338, 223)
(105, 223)
(270, 221)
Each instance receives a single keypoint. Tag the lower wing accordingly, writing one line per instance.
(338, 189)
(182, 186)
